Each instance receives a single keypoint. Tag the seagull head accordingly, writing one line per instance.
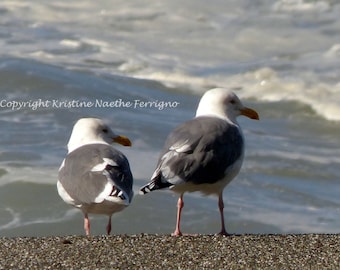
(94, 130)
(223, 103)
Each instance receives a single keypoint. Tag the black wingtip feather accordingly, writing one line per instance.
(154, 185)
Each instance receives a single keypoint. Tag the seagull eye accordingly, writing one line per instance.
(233, 101)
(105, 130)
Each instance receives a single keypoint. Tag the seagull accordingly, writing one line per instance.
(205, 153)
(94, 176)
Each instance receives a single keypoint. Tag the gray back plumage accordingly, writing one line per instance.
(84, 185)
(199, 151)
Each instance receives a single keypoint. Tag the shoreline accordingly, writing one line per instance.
(147, 251)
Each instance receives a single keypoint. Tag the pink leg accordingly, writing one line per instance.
(180, 205)
(108, 226)
(87, 224)
(221, 207)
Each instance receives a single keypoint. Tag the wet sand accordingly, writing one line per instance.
(144, 251)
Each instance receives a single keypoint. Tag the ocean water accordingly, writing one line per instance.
(143, 66)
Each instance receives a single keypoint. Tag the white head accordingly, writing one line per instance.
(93, 130)
(223, 103)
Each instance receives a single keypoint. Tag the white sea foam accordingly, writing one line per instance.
(18, 221)
(29, 174)
(301, 6)
(70, 43)
(14, 222)
(198, 47)
(265, 84)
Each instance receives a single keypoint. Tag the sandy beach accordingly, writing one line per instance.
(144, 251)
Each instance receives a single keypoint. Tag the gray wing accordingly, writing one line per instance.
(87, 170)
(198, 151)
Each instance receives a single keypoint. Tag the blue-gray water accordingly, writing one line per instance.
(282, 58)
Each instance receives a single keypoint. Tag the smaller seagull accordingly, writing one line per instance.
(94, 176)
(203, 154)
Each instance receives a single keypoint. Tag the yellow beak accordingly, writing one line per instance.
(122, 140)
(252, 114)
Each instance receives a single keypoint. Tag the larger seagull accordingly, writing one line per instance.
(203, 154)
(94, 176)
